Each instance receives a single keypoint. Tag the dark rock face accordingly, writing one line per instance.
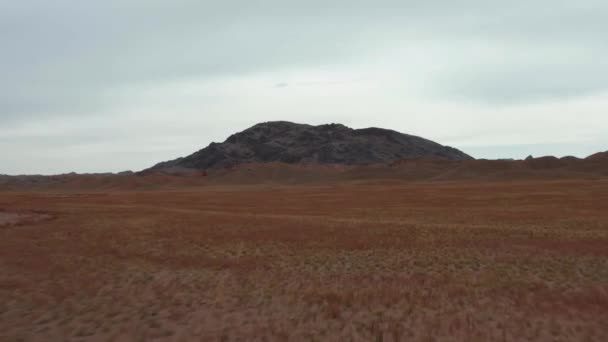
(288, 142)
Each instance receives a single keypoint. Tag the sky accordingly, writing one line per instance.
(113, 85)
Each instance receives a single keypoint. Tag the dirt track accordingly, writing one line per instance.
(450, 261)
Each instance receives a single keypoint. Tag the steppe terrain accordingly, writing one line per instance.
(378, 261)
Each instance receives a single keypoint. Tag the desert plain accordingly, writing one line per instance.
(378, 261)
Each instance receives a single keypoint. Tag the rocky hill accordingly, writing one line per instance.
(292, 143)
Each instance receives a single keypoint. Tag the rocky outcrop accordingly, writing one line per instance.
(292, 143)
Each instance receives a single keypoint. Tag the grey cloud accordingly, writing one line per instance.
(73, 58)
(526, 81)
(86, 47)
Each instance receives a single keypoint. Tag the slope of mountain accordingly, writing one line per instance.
(405, 170)
(292, 143)
(598, 156)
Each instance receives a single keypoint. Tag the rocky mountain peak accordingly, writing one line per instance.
(288, 142)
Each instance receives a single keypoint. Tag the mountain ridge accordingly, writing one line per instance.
(293, 143)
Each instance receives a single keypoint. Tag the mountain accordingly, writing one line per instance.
(292, 143)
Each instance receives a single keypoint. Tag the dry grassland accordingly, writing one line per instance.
(466, 261)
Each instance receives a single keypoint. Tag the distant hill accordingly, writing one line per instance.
(404, 170)
(292, 143)
(598, 156)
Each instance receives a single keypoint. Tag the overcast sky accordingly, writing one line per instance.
(94, 86)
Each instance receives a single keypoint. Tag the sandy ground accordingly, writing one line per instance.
(401, 262)
(21, 218)
(9, 218)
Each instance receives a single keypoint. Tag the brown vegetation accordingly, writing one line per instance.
(391, 261)
(421, 169)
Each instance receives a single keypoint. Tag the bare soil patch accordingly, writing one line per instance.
(9, 219)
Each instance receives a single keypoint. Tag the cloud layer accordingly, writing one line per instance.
(115, 85)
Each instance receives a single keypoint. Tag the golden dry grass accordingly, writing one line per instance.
(466, 261)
